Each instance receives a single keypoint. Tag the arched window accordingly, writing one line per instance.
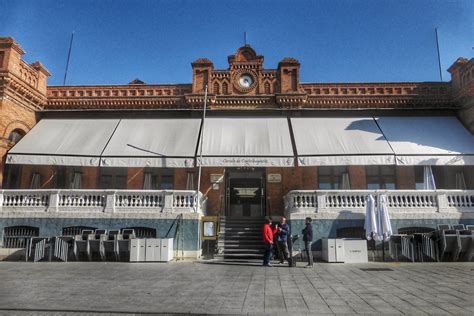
(216, 88)
(16, 135)
(267, 87)
(225, 88)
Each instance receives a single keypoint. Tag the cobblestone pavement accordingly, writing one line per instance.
(194, 287)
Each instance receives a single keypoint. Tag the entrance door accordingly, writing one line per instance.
(245, 193)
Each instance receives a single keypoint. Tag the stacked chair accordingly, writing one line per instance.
(99, 244)
(456, 243)
(447, 243)
(85, 243)
(81, 244)
(413, 244)
(110, 245)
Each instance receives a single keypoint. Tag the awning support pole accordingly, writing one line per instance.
(200, 150)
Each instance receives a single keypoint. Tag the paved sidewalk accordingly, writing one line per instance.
(186, 287)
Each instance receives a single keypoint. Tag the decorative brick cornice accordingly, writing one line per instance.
(15, 88)
(247, 102)
(379, 89)
(315, 95)
(117, 97)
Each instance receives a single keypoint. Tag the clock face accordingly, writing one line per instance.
(245, 81)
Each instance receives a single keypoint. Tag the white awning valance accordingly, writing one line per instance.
(153, 143)
(326, 141)
(428, 140)
(247, 141)
(70, 142)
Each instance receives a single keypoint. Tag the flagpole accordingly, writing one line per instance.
(200, 149)
(439, 57)
(68, 56)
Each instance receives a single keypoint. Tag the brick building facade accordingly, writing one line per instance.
(247, 89)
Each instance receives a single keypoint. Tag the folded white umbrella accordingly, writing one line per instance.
(383, 219)
(370, 224)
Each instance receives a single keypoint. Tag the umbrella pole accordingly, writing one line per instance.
(383, 250)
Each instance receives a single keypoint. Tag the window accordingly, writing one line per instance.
(190, 181)
(35, 182)
(267, 87)
(419, 177)
(380, 177)
(67, 177)
(16, 135)
(452, 177)
(225, 88)
(75, 180)
(113, 178)
(12, 174)
(158, 179)
(333, 178)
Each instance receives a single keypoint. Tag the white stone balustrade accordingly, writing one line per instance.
(25, 198)
(101, 201)
(398, 200)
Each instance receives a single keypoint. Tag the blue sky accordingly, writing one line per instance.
(335, 41)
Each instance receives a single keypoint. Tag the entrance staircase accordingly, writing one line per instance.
(240, 238)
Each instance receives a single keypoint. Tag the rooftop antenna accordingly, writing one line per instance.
(68, 57)
(439, 58)
(245, 38)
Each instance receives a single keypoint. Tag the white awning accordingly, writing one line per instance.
(428, 140)
(153, 143)
(247, 141)
(324, 141)
(69, 142)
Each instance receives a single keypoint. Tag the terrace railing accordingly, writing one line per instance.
(179, 201)
(400, 200)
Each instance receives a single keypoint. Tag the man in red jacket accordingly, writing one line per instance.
(268, 233)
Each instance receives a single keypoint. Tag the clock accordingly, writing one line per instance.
(245, 81)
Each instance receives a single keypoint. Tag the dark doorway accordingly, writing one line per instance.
(245, 193)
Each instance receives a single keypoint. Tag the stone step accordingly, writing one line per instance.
(244, 251)
(231, 234)
(240, 243)
(243, 256)
(241, 229)
(240, 238)
(242, 246)
(240, 220)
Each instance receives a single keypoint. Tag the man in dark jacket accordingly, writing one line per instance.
(308, 239)
(282, 240)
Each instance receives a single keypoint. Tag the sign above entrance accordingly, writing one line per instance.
(217, 177)
(274, 177)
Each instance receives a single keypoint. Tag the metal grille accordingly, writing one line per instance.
(75, 230)
(17, 236)
(415, 230)
(350, 232)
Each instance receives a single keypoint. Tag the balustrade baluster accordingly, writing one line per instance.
(449, 199)
(306, 200)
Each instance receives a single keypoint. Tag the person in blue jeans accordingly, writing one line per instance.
(308, 240)
(282, 240)
(268, 233)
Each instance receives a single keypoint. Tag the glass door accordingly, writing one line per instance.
(245, 194)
